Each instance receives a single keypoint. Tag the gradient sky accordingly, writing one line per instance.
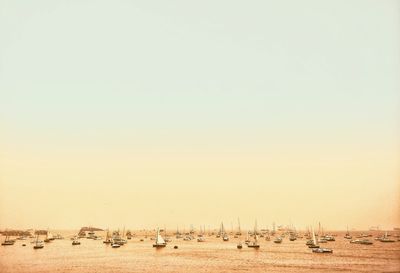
(145, 113)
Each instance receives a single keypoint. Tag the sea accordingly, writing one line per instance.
(213, 255)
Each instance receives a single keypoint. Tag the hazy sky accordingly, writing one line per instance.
(144, 113)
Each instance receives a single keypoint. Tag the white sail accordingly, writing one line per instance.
(313, 237)
(159, 239)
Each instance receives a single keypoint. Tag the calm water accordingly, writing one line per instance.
(214, 255)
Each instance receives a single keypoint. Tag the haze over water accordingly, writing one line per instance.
(153, 113)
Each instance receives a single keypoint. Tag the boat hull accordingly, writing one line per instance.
(256, 246)
(159, 246)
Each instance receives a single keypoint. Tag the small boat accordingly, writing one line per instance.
(361, 242)
(329, 238)
(239, 245)
(115, 245)
(322, 250)
(76, 241)
(175, 247)
(38, 244)
(278, 240)
(201, 239)
(159, 240)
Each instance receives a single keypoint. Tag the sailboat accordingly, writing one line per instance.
(267, 237)
(386, 239)
(166, 238)
(178, 234)
(159, 240)
(247, 241)
(314, 241)
(348, 236)
(317, 249)
(254, 244)
(7, 241)
(38, 244)
(200, 236)
(108, 238)
(239, 232)
(49, 237)
(117, 239)
(225, 236)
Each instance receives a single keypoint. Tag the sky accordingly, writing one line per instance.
(172, 113)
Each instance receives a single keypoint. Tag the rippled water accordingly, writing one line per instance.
(214, 255)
